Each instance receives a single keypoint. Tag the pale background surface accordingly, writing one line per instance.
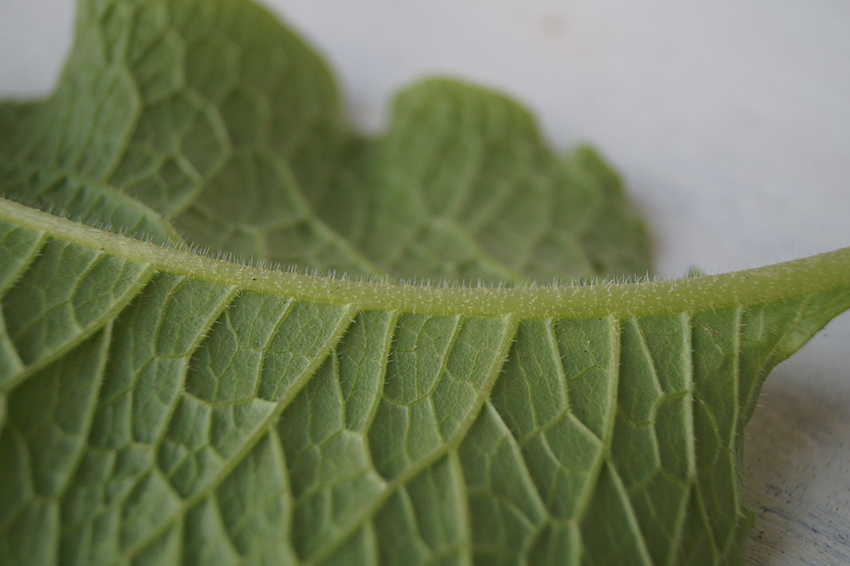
(729, 121)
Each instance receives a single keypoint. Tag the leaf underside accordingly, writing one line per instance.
(163, 408)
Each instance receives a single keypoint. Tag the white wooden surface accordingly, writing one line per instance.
(729, 120)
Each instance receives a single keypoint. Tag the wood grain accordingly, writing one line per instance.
(797, 477)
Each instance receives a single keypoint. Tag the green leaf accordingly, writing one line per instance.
(217, 117)
(165, 407)
(461, 187)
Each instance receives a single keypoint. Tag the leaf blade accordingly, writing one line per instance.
(665, 345)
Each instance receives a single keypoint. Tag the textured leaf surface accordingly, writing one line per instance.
(177, 409)
(160, 407)
(214, 115)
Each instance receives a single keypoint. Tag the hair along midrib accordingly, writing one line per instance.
(816, 274)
